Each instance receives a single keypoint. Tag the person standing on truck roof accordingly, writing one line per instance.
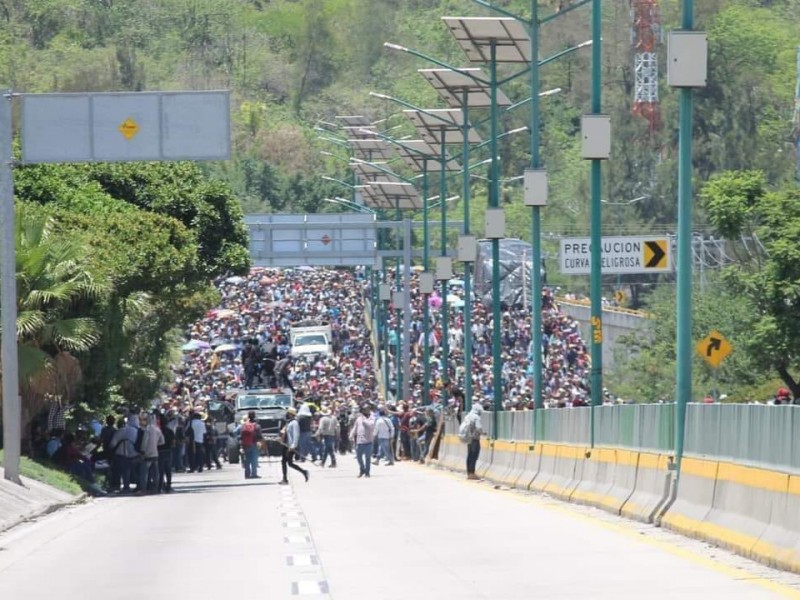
(282, 370)
(291, 435)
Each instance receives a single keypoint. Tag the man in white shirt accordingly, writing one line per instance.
(199, 433)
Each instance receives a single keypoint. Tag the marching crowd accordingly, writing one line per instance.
(246, 342)
(565, 356)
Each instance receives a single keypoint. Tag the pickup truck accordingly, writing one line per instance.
(311, 338)
(270, 407)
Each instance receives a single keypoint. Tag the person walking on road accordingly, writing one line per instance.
(362, 436)
(470, 431)
(384, 432)
(292, 440)
(328, 432)
(249, 436)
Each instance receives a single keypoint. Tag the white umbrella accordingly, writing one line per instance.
(225, 348)
(234, 279)
(452, 299)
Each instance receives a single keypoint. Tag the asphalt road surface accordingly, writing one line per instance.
(408, 532)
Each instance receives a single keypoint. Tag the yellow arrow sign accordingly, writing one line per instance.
(129, 128)
(714, 348)
(655, 254)
(620, 297)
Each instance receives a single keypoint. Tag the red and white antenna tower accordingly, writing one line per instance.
(645, 37)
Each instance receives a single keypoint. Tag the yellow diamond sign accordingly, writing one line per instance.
(714, 348)
(129, 128)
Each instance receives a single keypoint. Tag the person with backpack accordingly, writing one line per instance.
(249, 436)
(470, 433)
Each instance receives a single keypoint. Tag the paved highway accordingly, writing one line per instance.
(407, 532)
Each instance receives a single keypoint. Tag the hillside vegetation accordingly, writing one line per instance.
(293, 64)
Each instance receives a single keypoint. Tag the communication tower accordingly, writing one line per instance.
(645, 37)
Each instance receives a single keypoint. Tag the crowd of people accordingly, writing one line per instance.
(566, 367)
(245, 342)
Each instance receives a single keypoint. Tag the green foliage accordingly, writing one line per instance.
(730, 199)
(52, 278)
(646, 372)
(769, 278)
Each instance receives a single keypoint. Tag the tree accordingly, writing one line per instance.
(645, 369)
(53, 280)
(768, 273)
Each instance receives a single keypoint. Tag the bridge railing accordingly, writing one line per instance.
(758, 434)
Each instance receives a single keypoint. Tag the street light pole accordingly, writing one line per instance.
(684, 290)
(596, 226)
(12, 409)
(536, 226)
(467, 265)
(445, 307)
(494, 202)
(426, 309)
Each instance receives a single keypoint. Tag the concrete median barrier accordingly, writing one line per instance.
(530, 466)
(695, 496)
(503, 459)
(521, 452)
(779, 545)
(455, 454)
(547, 467)
(485, 459)
(752, 511)
(560, 470)
(651, 489)
(597, 478)
(743, 501)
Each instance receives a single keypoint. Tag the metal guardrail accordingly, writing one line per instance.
(615, 309)
(754, 434)
(758, 434)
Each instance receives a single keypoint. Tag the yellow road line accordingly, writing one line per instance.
(689, 555)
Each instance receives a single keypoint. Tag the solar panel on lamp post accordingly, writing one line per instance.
(506, 41)
(537, 179)
(419, 153)
(462, 91)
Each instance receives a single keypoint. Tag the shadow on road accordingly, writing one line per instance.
(198, 487)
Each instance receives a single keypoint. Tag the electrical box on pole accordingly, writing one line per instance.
(687, 59)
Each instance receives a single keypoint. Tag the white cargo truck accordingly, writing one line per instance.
(309, 338)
